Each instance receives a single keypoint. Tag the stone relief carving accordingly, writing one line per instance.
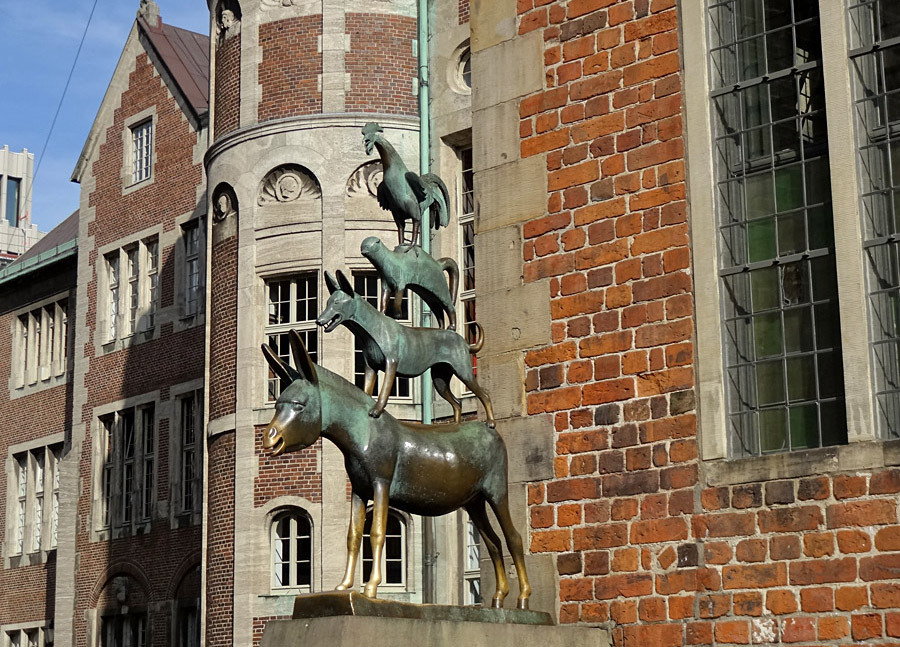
(224, 203)
(365, 179)
(228, 19)
(288, 183)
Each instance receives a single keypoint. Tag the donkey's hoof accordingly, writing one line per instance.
(370, 592)
(497, 603)
(522, 603)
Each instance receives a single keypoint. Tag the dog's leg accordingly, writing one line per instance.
(397, 306)
(385, 292)
(390, 372)
(441, 379)
(376, 535)
(369, 384)
(482, 395)
(354, 538)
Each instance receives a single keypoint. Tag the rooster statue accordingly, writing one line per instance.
(404, 193)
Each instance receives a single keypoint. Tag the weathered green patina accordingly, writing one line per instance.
(422, 469)
(404, 193)
(410, 267)
(400, 350)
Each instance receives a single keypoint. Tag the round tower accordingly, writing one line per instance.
(291, 195)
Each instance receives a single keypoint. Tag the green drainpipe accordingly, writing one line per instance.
(428, 554)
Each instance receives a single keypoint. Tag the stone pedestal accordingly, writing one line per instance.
(350, 620)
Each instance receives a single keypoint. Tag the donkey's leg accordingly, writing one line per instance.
(479, 517)
(390, 372)
(482, 395)
(441, 380)
(376, 536)
(354, 538)
(514, 541)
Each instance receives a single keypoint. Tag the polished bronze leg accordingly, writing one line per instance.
(390, 372)
(376, 536)
(354, 539)
(479, 517)
(369, 384)
(514, 542)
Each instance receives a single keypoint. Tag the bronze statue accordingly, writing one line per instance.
(399, 350)
(426, 470)
(411, 267)
(404, 193)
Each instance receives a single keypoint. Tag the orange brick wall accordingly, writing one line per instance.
(228, 86)
(220, 541)
(223, 329)
(463, 11)
(291, 67)
(295, 473)
(638, 539)
(381, 64)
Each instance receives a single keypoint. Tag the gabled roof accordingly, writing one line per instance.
(61, 242)
(186, 57)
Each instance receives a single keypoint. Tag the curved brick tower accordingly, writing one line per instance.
(291, 195)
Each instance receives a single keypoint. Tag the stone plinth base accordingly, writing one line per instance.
(351, 620)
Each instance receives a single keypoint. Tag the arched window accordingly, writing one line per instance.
(292, 551)
(393, 560)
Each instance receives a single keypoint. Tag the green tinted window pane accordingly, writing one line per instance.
(823, 278)
(826, 326)
(789, 188)
(760, 195)
(798, 330)
(769, 383)
(818, 181)
(764, 288)
(801, 378)
(791, 234)
(761, 235)
(830, 373)
(834, 423)
(804, 426)
(821, 232)
(772, 430)
(767, 334)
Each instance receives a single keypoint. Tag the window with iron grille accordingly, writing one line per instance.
(292, 551)
(142, 151)
(128, 467)
(393, 555)
(875, 69)
(368, 286)
(784, 386)
(35, 516)
(293, 304)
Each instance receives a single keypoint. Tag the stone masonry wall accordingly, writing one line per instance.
(290, 89)
(639, 540)
(381, 64)
(228, 86)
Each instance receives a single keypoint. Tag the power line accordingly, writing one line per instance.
(61, 99)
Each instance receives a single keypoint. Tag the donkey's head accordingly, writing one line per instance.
(341, 305)
(298, 411)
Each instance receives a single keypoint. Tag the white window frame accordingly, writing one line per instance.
(292, 514)
(21, 634)
(33, 519)
(307, 326)
(858, 394)
(130, 291)
(404, 552)
(466, 202)
(470, 561)
(142, 145)
(40, 338)
(130, 180)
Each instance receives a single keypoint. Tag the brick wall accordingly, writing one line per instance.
(381, 64)
(639, 540)
(223, 329)
(153, 559)
(228, 86)
(220, 541)
(463, 11)
(294, 473)
(291, 67)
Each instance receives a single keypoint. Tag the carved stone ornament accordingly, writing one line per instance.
(228, 20)
(223, 206)
(366, 179)
(288, 183)
(272, 4)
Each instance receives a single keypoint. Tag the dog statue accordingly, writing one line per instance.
(408, 266)
(399, 350)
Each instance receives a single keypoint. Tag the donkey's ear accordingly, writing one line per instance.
(330, 283)
(302, 359)
(345, 284)
(282, 370)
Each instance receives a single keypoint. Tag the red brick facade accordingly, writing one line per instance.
(638, 539)
(291, 68)
(294, 474)
(463, 12)
(381, 64)
(228, 86)
(220, 541)
(223, 328)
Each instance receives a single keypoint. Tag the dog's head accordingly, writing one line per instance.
(298, 412)
(341, 305)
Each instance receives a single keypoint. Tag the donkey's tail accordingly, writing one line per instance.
(452, 269)
(479, 338)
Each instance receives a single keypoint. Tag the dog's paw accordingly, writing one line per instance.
(374, 413)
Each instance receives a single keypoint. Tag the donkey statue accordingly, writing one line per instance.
(421, 469)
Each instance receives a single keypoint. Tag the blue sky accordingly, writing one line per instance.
(40, 38)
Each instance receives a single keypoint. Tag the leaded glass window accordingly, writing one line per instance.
(292, 551)
(293, 304)
(784, 384)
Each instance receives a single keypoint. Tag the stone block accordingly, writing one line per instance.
(495, 135)
(541, 576)
(504, 249)
(530, 445)
(507, 71)
(492, 22)
(511, 193)
(516, 319)
(504, 378)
